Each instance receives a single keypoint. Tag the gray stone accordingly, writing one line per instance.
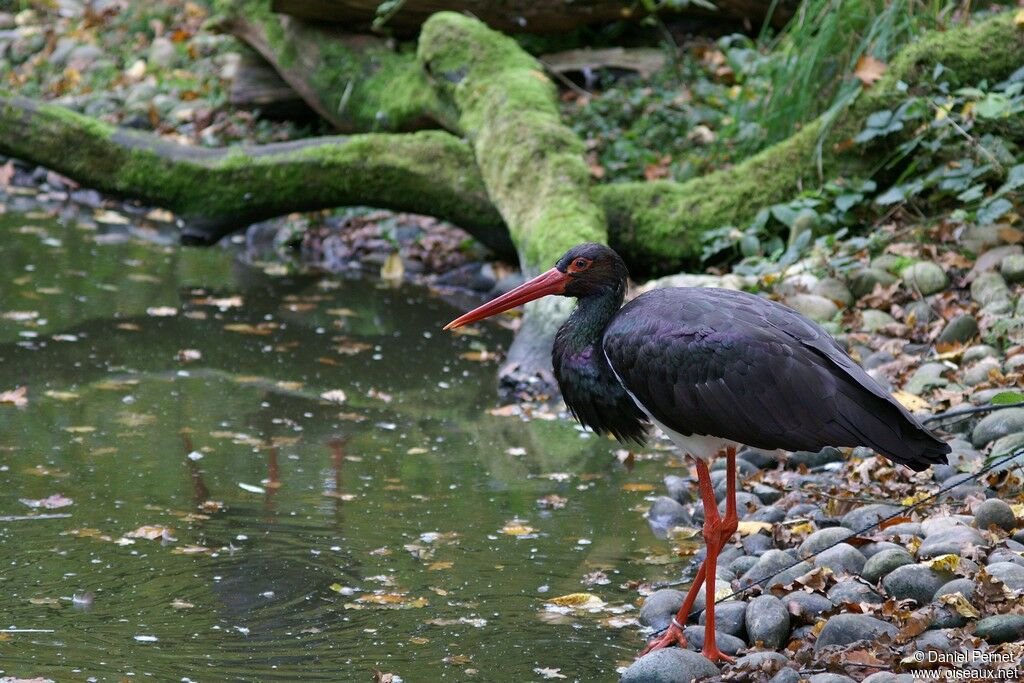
(1001, 628)
(833, 289)
(996, 425)
(861, 517)
(873, 319)
(977, 352)
(680, 489)
(872, 549)
(888, 262)
(729, 618)
(995, 512)
(916, 582)
(966, 587)
(1004, 447)
(841, 559)
(928, 376)
(741, 565)
(936, 525)
(1012, 268)
(955, 540)
(877, 359)
(880, 565)
(978, 372)
(822, 538)
(903, 529)
(925, 277)
(659, 607)
(853, 591)
(1010, 573)
(769, 513)
(786, 675)
(843, 629)
(815, 458)
(946, 617)
(669, 665)
(960, 330)
(989, 288)
(813, 306)
(1004, 555)
(666, 513)
(85, 54)
(806, 607)
(162, 53)
(757, 544)
(830, 678)
(728, 644)
(919, 312)
(865, 280)
(889, 677)
(767, 494)
(771, 563)
(767, 621)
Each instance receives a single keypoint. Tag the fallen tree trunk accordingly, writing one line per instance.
(520, 16)
(531, 163)
(356, 82)
(218, 191)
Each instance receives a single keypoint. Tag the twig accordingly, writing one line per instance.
(28, 518)
(972, 410)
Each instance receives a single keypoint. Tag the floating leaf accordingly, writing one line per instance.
(50, 503)
(586, 601)
(334, 395)
(152, 533)
(15, 397)
(517, 528)
(637, 486)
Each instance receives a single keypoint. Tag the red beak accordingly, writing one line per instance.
(551, 282)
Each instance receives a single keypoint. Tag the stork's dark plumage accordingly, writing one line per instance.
(714, 369)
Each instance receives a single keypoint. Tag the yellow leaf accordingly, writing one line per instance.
(916, 498)
(804, 528)
(944, 563)
(440, 566)
(746, 528)
(961, 604)
(634, 486)
(910, 401)
(578, 601)
(393, 268)
(517, 528)
(1018, 19)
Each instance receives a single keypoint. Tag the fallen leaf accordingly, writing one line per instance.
(15, 397)
(636, 486)
(544, 672)
(868, 70)
(910, 401)
(747, 527)
(152, 533)
(517, 528)
(50, 503)
(960, 604)
(577, 601)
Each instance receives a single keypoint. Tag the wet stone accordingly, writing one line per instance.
(666, 513)
(889, 677)
(947, 617)
(841, 559)
(659, 607)
(1010, 573)
(956, 540)
(964, 586)
(872, 549)
(741, 565)
(728, 644)
(1001, 628)
(960, 330)
(1005, 555)
(804, 606)
(862, 517)
(1012, 268)
(758, 544)
(769, 513)
(830, 678)
(823, 538)
(815, 307)
(883, 563)
(774, 563)
(925, 277)
(916, 582)
(853, 591)
(729, 618)
(995, 512)
(865, 280)
(843, 629)
(669, 665)
(767, 620)
(833, 289)
(680, 489)
(786, 675)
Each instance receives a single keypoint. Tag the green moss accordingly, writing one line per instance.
(531, 163)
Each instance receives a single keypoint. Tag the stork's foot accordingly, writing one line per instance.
(716, 655)
(672, 637)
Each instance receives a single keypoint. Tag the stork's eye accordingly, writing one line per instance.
(579, 264)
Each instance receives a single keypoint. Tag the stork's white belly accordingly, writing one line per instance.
(700, 446)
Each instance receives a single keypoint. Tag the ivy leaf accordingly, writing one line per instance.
(993, 211)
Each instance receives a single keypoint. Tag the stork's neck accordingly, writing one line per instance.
(591, 316)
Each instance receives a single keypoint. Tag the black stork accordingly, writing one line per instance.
(714, 369)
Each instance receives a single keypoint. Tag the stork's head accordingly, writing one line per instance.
(585, 270)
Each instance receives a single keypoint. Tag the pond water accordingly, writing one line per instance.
(227, 521)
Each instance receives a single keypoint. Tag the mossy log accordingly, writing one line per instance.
(218, 191)
(356, 82)
(531, 163)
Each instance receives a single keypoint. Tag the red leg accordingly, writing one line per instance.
(713, 529)
(674, 634)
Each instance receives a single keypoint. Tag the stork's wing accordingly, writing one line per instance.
(740, 367)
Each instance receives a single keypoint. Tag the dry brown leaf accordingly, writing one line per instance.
(868, 70)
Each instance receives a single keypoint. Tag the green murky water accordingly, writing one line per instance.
(335, 538)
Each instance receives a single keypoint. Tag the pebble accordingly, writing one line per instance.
(770, 563)
(977, 352)
(864, 281)
(758, 544)
(966, 587)
(996, 425)
(1012, 268)
(853, 591)
(815, 458)
(1005, 446)
(935, 525)
(843, 629)
(806, 607)
(669, 665)
(830, 678)
(956, 540)
(1010, 573)
(680, 489)
(162, 53)
(960, 330)
(979, 372)
(989, 288)
(1004, 555)
(769, 513)
(729, 618)
(1001, 628)
(872, 549)
(884, 562)
(741, 565)
(995, 512)
(812, 306)
(928, 376)
(873, 319)
(786, 675)
(823, 538)
(659, 607)
(889, 677)
(841, 559)
(833, 289)
(926, 277)
(916, 582)
(767, 621)
(666, 513)
(903, 529)
(861, 517)
(728, 644)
